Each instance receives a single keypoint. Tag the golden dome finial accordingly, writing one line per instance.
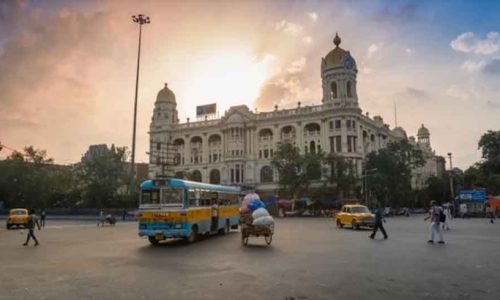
(337, 39)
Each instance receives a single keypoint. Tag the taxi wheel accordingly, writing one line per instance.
(8, 227)
(153, 240)
(354, 226)
(339, 224)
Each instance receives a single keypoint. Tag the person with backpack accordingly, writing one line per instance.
(32, 221)
(437, 216)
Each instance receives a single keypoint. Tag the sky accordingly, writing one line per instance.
(67, 68)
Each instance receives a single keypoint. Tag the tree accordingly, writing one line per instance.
(105, 178)
(28, 179)
(392, 181)
(486, 173)
(490, 149)
(288, 161)
(341, 173)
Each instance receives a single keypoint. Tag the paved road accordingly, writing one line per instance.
(309, 259)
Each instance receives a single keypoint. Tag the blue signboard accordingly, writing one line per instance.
(473, 195)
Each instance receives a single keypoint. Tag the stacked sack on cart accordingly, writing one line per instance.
(253, 211)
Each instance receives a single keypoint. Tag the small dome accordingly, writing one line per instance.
(165, 95)
(334, 57)
(423, 131)
(400, 132)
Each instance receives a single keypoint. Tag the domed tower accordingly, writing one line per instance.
(423, 138)
(165, 111)
(338, 74)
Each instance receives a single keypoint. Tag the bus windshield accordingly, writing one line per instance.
(167, 196)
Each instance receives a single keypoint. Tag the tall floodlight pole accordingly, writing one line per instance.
(141, 20)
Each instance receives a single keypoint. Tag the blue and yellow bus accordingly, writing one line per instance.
(176, 208)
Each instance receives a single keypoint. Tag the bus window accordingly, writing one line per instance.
(193, 198)
(171, 196)
(150, 197)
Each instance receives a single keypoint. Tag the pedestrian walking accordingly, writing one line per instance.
(124, 214)
(379, 220)
(42, 218)
(447, 213)
(490, 213)
(437, 216)
(101, 218)
(32, 221)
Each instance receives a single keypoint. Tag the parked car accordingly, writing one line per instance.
(17, 217)
(355, 215)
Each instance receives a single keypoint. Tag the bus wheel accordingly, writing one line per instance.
(153, 240)
(193, 236)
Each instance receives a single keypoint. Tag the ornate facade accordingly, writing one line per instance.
(238, 147)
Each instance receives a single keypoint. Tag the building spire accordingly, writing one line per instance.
(337, 39)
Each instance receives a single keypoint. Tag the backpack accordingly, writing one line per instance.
(442, 216)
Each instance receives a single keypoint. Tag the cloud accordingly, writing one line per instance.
(409, 51)
(394, 13)
(307, 39)
(416, 93)
(313, 16)
(288, 27)
(468, 42)
(297, 66)
(473, 66)
(372, 49)
(493, 67)
(283, 90)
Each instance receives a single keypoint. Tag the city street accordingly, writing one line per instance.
(309, 259)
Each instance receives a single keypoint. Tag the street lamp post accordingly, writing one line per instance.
(141, 20)
(452, 191)
(367, 173)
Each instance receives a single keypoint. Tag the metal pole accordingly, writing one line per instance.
(132, 165)
(452, 191)
(140, 19)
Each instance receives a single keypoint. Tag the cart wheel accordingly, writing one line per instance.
(244, 239)
(269, 239)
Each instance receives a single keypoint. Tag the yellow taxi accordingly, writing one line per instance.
(355, 215)
(17, 217)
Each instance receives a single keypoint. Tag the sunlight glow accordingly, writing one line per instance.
(229, 78)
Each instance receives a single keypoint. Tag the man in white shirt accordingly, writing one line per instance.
(434, 214)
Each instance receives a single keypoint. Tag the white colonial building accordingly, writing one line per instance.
(238, 147)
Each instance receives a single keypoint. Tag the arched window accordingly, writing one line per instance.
(266, 174)
(334, 90)
(312, 147)
(196, 176)
(349, 89)
(215, 176)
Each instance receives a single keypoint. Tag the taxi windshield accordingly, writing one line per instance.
(18, 212)
(359, 209)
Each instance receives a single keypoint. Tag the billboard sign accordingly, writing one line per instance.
(208, 109)
(473, 195)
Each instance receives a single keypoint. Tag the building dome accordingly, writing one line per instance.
(400, 132)
(334, 57)
(165, 95)
(422, 131)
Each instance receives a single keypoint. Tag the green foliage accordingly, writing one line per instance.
(288, 161)
(29, 179)
(104, 178)
(342, 174)
(486, 173)
(391, 183)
